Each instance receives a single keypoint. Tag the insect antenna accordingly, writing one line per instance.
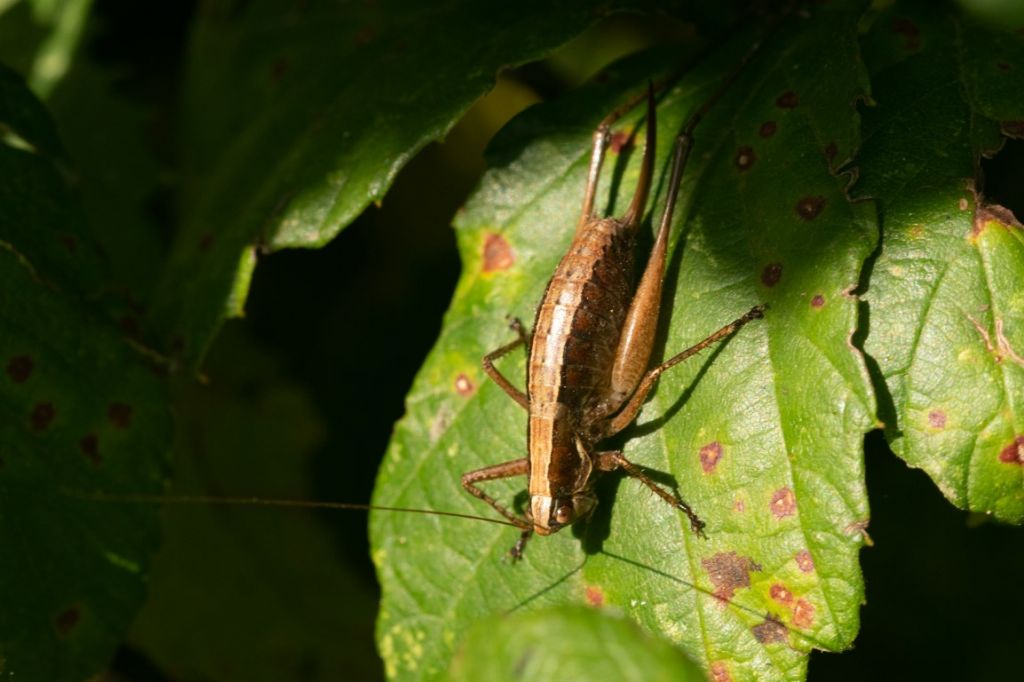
(206, 500)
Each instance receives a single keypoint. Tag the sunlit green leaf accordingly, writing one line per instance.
(763, 435)
(946, 294)
(568, 643)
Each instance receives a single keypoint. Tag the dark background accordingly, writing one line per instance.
(944, 594)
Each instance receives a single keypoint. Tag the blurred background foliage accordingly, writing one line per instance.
(328, 349)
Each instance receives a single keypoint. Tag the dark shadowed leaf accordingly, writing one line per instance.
(243, 593)
(298, 116)
(111, 162)
(80, 411)
(763, 434)
(946, 294)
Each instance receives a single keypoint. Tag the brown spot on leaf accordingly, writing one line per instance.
(463, 385)
(804, 561)
(745, 158)
(709, 456)
(595, 596)
(803, 614)
(129, 326)
(206, 242)
(781, 594)
(1014, 452)
(831, 150)
(90, 447)
(808, 208)
(992, 213)
(771, 274)
(963, 204)
(906, 27)
(818, 301)
(937, 419)
(720, 672)
(278, 69)
(767, 129)
(497, 254)
(1014, 129)
(19, 368)
(783, 503)
(729, 572)
(620, 140)
(787, 100)
(1003, 66)
(771, 631)
(69, 242)
(739, 506)
(365, 35)
(66, 621)
(120, 415)
(42, 415)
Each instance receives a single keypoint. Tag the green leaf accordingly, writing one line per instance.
(40, 37)
(298, 117)
(763, 434)
(945, 296)
(80, 411)
(113, 170)
(38, 214)
(568, 643)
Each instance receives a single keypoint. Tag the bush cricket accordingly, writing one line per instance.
(591, 342)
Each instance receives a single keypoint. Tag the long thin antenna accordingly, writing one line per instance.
(264, 502)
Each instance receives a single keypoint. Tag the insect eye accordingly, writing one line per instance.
(563, 514)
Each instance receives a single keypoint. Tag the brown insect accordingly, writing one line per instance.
(587, 373)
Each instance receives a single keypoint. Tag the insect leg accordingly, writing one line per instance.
(599, 147)
(629, 412)
(496, 374)
(610, 461)
(516, 467)
(638, 331)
